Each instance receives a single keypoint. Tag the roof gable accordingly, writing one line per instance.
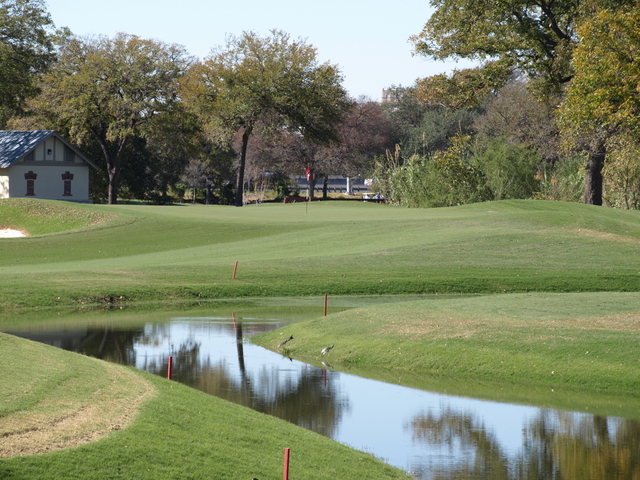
(16, 144)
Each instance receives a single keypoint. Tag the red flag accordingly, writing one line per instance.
(308, 174)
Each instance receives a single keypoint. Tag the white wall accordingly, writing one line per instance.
(49, 183)
(4, 183)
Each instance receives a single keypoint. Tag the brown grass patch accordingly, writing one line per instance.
(53, 425)
(606, 236)
(438, 328)
(621, 322)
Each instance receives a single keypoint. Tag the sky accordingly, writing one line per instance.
(367, 39)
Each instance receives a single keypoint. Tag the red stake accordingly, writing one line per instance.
(287, 452)
(169, 367)
(326, 295)
(235, 269)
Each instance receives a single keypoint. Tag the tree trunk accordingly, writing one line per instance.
(593, 177)
(208, 194)
(114, 177)
(113, 164)
(325, 187)
(243, 159)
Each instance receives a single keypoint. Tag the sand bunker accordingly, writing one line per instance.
(10, 233)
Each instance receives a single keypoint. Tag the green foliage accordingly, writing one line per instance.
(466, 88)
(423, 130)
(26, 49)
(283, 186)
(509, 170)
(454, 179)
(406, 185)
(536, 39)
(447, 178)
(564, 181)
(622, 173)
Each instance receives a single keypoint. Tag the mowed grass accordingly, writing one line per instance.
(584, 341)
(174, 432)
(340, 248)
(147, 253)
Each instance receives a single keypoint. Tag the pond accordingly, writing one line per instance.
(430, 435)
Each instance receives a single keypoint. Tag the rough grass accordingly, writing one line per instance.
(42, 217)
(178, 432)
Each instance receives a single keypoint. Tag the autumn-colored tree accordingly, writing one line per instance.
(364, 134)
(111, 90)
(603, 100)
(270, 83)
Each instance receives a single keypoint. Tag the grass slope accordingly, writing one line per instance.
(340, 248)
(556, 340)
(178, 433)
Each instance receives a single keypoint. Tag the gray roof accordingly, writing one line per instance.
(16, 144)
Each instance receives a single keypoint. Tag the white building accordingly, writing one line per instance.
(41, 164)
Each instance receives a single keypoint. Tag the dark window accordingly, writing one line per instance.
(30, 177)
(66, 178)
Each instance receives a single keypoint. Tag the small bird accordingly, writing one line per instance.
(326, 349)
(281, 344)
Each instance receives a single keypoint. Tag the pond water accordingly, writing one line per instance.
(430, 435)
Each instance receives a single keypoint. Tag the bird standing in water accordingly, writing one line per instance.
(326, 349)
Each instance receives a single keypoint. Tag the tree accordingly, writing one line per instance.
(537, 39)
(26, 49)
(111, 91)
(603, 101)
(364, 134)
(422, 129)
(519, 118)
(270, 82)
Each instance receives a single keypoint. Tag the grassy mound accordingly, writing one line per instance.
(37, 217)
(340, 248)
(552, 341)
(56, 400)
(178, 433)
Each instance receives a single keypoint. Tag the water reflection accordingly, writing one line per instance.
(432, 436)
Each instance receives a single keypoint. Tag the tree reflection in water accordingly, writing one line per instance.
(556, 445)
(302, 398)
